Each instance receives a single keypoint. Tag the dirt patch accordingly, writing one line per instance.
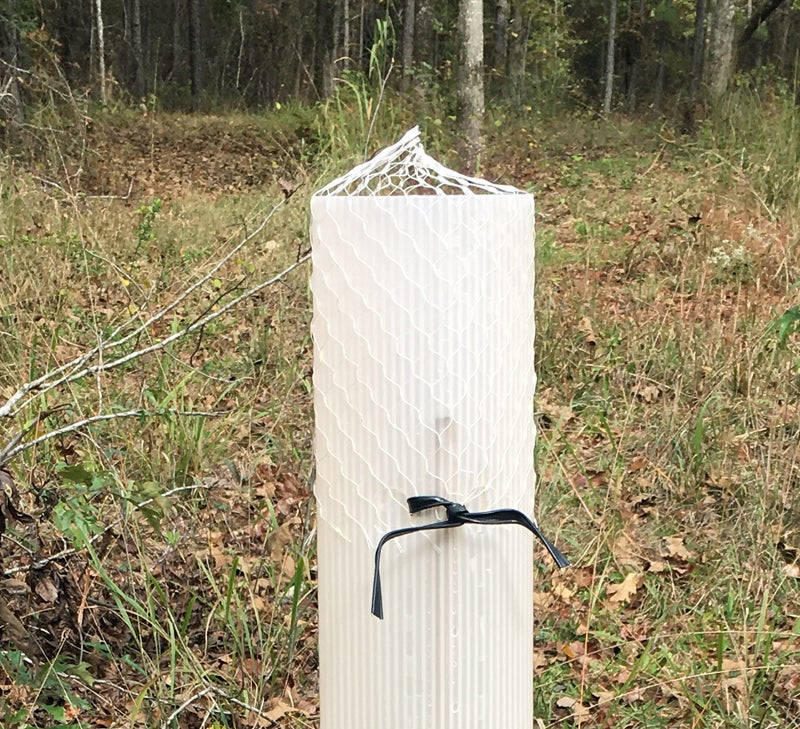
(165, 156)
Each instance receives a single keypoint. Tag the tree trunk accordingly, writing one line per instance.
(341, 34)
(658, 91)
(240, 53)
(324, 45)
(424, 33)
(500, 46)
(783, 42)
(140, 86)
(362, 50)
(757, 17)
(470, 79)
(178, 25)
(346, 33)
(698, 49)
(631, 91)
(720, 49)
(612, 34)
(195, 51)
(408, 41)
(520, 28)
(101, 49)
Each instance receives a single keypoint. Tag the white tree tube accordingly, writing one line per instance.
(424, 380)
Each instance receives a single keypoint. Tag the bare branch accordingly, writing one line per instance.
(198, 324)
(759, 16)
(196, 697)
(14, 448)
(78, 367)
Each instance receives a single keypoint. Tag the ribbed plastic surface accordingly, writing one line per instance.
(423, 374)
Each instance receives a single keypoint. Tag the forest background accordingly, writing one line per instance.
(156, 513)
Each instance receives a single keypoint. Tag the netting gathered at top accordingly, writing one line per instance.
(405, 169)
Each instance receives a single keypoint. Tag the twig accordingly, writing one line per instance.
(198, 324)
(655, 162)
(113, 197)
(74, 550)
(381, 93)
(258, 712)
(174, 715)
(221, 694)
(13, 443)
(14, 448)
(77, 368)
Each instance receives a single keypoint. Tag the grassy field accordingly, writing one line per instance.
(159, 566)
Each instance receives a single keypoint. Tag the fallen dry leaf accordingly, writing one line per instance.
(573, 650)
(647, 393)
(562, 592)
(674, 547)
(656, 566)
(585, 327)
(278, 710)
(637, 464)
(278, 541)
(622, 592)
(553, 412)
(46, 590)
(579, 712)
(604, 697)
(624, 552)
(792, 570)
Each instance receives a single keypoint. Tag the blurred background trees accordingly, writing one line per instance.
(630, 56)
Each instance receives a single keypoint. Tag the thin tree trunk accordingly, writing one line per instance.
(101, 49)
(408, 41)
(658, 93)
(698, 48)
(517, 52)
(500, 46)
(757, 17)
(346, 33)
(361, 38)
(338, 17)
(298, 69)
(783, 42)
(425, 37)
(195, 50)
(240, 54)
(470, 79)
(140, 84)
(720, 54)
(324, 47)
(612, 34)
(633, 79)
(178, 25)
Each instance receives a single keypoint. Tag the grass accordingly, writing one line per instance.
(667, 415)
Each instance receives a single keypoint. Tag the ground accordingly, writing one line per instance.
(168, 578)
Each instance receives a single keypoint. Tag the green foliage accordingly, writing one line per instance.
(350, 118)
(147, 217)
(787, 325)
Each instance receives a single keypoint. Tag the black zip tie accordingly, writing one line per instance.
(457, 515)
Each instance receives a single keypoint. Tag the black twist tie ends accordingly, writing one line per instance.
(456, 515)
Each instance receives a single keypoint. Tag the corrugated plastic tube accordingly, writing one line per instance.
(424, 378)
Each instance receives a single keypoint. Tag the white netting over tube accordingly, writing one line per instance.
(423, 374)
(404, 168)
